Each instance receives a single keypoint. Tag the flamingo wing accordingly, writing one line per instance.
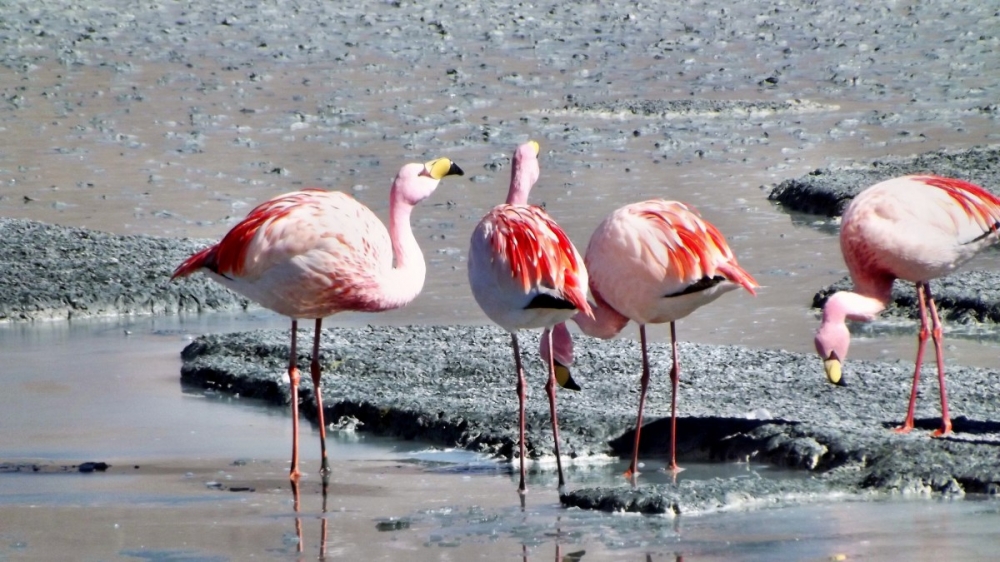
(521, 259)
(654, 249)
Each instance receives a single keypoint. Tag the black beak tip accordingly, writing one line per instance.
(454, 170)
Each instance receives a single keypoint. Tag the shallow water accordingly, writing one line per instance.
(185, 117)
(204, 477)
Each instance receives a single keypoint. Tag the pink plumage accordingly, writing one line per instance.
(653, 262)
(525, 273)
(914, 228)
(313, 253)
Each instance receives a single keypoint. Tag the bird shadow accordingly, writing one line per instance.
(960, 426)
(712, 438)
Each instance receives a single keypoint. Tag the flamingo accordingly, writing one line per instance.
(525, 273)
(312, 253)
(914, 228)
(652, 262)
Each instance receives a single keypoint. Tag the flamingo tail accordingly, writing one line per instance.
(204, 259)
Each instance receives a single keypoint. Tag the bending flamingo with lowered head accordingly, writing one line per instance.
(914, 228)
(314, 253)
(525, 273)
(653, 262)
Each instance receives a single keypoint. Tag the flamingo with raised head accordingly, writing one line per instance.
(914, 228)
(525, 273)
(314, 253)
(653, 262)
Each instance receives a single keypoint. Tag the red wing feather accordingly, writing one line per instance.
(538, 251)
(694, 246)
(979, 204)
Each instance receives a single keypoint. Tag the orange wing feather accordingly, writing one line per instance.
(537, 251)
(694, 247)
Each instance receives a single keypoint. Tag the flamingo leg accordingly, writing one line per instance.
(922, 336)
(550, 389)
(633, 468)
(521, 390)
(675, 377)
(293, 383)
(298, 518)
(937, 335)
(316, 372)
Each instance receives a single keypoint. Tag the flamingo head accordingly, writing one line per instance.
(416, 182)
(561, 356)
(832, 341)
(524, 172)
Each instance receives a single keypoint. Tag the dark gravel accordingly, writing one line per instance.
(454, 386)
(56, 272)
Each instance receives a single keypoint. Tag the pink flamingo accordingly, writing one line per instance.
(653, 262)
(525, 273)
(313, 253)
(915, 228)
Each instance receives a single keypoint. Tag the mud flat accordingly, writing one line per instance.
(453, 386)
(50, 272)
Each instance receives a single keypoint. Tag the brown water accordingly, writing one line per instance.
(170, 149)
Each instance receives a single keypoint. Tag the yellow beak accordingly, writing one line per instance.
(564, 378)
(833, 371)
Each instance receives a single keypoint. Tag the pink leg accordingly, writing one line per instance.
(550, 389)
(643, 385)
(293, 382)
(921, 343)
(521, 384)
(315, 370)
(675, 376)
(937, 334)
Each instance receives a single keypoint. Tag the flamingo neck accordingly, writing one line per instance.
(521, 183)
(606, 323)
(847, 305)
(403, 282)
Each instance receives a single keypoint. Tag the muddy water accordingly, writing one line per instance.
(179, 133)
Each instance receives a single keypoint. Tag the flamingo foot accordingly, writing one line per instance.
(673, 469)
(945, 429)
(903, 429)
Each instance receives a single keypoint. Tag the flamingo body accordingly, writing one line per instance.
(914, 228)
(313, 253)
(293, 255)
(519, 261)
(525, 273)
(654, 261)
(657, 261)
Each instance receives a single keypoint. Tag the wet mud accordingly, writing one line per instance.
(454, 386)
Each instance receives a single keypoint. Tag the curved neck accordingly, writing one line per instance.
(404, 281)
(606, 323)
(844, 305)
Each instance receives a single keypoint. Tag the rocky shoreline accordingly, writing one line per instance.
(452, 386)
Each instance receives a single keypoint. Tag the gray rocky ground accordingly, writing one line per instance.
(453, 386)
(53, 272)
